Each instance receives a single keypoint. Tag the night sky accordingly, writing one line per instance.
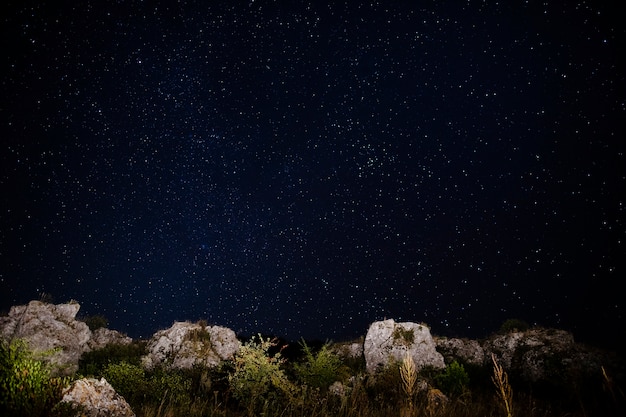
(303, 169)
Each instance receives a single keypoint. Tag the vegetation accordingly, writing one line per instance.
(26, 385)
(96, 322)
(514, 325)
(259, 380)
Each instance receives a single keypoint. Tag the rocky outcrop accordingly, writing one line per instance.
(462, 350)
(49, 328)
(538, 354)
(96, 398)
(348, 350)
(543, 354)
(103, 336)
(187, 344)
(388, 341)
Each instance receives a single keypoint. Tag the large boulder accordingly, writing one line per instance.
(96, 398)
(49, 328)
(186, 344)
(387, 341)
(541, 354)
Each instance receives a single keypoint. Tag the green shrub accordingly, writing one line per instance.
(93, 363)
(96, 322)
(514, 325)
(257, 378)
(128, 380)
(320, 370)
(453, 380)
(26, 387)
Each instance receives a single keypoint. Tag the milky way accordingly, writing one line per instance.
(303, 169)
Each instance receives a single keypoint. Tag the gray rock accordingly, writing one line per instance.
(462, 350)
(388, 341)
(96, 398)
(49, 328)
(187, 344)
(103, 336)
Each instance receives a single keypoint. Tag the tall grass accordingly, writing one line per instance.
(259, 382)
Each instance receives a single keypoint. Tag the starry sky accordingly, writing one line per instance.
(303, 169)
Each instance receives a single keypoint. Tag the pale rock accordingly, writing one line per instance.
(462, 350)
(50, 329)
(387, 341)
(348, 350)
(96, 398)
(102, 337)
(186, 344)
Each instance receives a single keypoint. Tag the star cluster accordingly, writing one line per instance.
(304, 169)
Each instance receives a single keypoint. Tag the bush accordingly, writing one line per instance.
(320, 370)
(514, 325)
(93, 363)
(128, 380)
(96, 322)
(26, 387)
(257, 379)
(453, 380)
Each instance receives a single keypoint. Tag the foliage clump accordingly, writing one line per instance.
(26, 385)
(96, 322)
(514, 325)
(321, 369)
(258, 379)
(405, 336)
(453, 380)
(93, 363)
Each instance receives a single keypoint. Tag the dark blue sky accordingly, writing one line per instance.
(304, 169)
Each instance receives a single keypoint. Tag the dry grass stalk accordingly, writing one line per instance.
(408, 373)
(503, 388)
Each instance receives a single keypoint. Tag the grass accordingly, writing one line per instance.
(260, 382)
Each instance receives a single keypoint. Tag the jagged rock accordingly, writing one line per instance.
(462, 350)
(48, 327)
(103, 336)
(186, 344)
(349, 350)
(387, 340)
(97, 398)
(544, 354)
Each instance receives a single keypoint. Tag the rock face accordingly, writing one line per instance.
(462, 350)
(97, 398)
(538, 354)
(46, 327)
(387, 340)
(186, 344)
(102, 337)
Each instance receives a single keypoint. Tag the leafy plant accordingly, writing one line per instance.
(321, 369)
(257, 378)
(93, 363)
(453, 380)
(26, 385)
(96, 322)
(514, 325)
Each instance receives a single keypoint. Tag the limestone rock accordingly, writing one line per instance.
(97, 398)
(103, 336)
(462, 350)
(390, 341)
(48, 327)
(543, 354)
(349, 350)
(186, 344)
